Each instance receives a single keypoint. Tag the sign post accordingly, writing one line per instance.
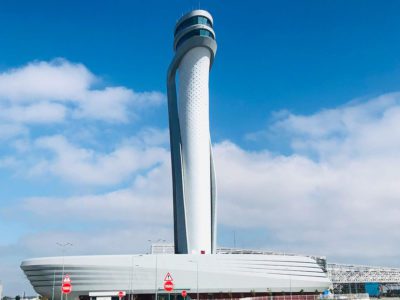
(168, 277)
(66, 286)
(184, 294)
(168, 284)
(121, 294)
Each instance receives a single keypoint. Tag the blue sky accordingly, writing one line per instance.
(304, 119)
(300, 55)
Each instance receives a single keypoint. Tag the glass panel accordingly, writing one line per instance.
(198, 32)
(193, 21)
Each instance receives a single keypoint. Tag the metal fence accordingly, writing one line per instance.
(341, 273)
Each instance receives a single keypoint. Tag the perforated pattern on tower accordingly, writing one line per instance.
(193, 92)
(193, 110)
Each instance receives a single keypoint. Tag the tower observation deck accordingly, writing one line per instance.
(193, 175)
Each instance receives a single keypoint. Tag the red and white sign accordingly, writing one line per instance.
(168, 286)
(66, 286)
(184, 294)
(121, 294)
(168, 277)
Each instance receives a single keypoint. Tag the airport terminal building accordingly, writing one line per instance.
(209, 275)
(195, 266)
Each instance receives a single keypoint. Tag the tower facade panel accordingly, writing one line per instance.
(193, 111)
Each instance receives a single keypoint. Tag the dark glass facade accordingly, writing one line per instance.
(193, 21)
(196, 32)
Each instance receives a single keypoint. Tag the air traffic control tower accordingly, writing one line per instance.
(193, 175)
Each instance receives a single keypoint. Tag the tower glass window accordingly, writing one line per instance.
(193, 21)
(197, 32)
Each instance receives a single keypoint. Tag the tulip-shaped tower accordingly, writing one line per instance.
(194, 188)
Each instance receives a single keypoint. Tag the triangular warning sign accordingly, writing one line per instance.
(168, 277)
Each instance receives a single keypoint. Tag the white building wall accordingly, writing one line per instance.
(143, 274)
(193, 110)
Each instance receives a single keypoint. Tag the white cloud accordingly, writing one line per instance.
(152, 137)
(42, 112)
(56, 156)
(87, 167)
(44, 92)
(339, 186)
(128, 240)
(357, 129)
(333, 188)
(148, 202)
(108, 104)
(39, 81)
(9, 130)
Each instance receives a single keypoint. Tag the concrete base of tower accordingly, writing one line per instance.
(218, 274)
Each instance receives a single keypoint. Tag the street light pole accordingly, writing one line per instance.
(290, 282)
(151, 252)
(197, 276)
(133, 277)
(54, 282)
(136, 266)
(155, 281)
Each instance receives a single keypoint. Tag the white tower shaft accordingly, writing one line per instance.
(193, 110)
(193, 174)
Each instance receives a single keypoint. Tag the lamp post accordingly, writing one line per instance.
(131, 296)
(197, 276)
(155, 281)
(290, 283)
(135, 267)
(63, 245)
(131, 279)
(54, 283)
